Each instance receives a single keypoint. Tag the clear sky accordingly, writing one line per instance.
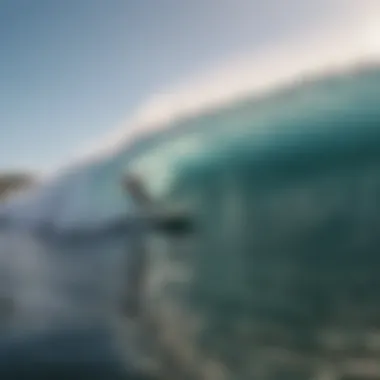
(71, 70)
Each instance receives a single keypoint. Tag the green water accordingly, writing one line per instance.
(281, 274)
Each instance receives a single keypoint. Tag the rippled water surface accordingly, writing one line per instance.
(58, 300)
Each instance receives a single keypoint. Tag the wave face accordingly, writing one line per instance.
(280, 276)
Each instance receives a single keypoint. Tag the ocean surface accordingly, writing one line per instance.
(58, 300)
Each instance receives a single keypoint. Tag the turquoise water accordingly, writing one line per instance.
(281, 274)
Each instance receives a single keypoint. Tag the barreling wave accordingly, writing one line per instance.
(87, 188)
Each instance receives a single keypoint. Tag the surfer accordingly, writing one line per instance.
(148, 216)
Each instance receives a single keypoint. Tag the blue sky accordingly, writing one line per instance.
(72, 70)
